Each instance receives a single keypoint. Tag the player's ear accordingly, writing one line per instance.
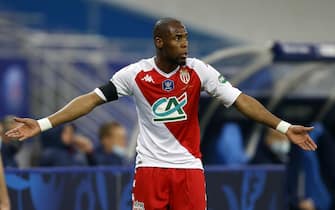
(158, 42)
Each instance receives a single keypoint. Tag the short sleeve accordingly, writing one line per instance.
(123, 80)
(216, 84)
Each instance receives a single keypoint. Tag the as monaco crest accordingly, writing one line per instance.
(184, 76)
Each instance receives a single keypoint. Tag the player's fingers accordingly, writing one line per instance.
(11, 132)
(303, 146)
(311, 144)
(19, 120)
(308, 128)
(308, 147)
(313, 148)
(15, 135)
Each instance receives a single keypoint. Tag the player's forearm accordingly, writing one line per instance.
(253, 109)
(78, 107)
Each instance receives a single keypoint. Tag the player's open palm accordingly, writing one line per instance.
(27, 128)
(4, 207)
(299, 135)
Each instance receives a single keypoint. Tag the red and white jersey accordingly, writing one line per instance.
(167, 107)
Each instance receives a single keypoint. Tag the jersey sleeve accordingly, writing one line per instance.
(216, 84)
(123, 81)
(119, 85)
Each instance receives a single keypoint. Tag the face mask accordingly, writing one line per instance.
(120, 151)
(280, 147)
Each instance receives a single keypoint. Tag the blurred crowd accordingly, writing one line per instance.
(310, 175)
(64, 146)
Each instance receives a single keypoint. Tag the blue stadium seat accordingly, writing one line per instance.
(315, 187)
(229, 149)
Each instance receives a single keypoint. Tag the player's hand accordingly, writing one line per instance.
(5, 206)
(299, 135)
(306, 204)
(27, 128)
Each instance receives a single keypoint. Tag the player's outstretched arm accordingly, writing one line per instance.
(78, 107)
(298, 134)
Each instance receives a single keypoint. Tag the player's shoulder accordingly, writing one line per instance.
(141, 65)
(146, 64)
(196, 64)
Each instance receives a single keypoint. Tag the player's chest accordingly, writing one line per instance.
(183, 80)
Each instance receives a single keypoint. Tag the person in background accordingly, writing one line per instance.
(311, 176)
(63, 147)
(112, 150)
(274, 149)
(9, 148)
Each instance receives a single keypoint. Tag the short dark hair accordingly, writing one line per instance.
(161, 26)
(106, 127)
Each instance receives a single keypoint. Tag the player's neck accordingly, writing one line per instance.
(164, 65)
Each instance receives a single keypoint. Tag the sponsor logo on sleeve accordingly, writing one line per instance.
(222, 79)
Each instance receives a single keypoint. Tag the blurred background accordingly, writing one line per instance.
(280, 52)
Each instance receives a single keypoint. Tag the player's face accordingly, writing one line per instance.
(176, 44)
(67, 135)
(117, 137)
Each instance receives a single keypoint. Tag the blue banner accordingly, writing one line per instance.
(14, 88)
(283, 51)
(109, 188)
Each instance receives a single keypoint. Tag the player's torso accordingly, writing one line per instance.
(173, 98)
(168, 114)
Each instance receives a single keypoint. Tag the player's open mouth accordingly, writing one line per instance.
(183, 56)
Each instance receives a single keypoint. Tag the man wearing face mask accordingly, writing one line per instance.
(9, 148)
(273, 150)
(112, 150)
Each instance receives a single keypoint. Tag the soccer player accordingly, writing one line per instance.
(169, 173)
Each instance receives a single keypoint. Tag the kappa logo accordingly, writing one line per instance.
(148, 78)
(138, 205)
(170, 109)
(168, 85)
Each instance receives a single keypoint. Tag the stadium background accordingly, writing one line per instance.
(53, 51)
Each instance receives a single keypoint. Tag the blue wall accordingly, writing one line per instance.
(14, 87)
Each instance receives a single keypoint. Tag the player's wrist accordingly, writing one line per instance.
(283, 127)
(44, 124)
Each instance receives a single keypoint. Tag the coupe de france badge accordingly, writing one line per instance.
(168, 85)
